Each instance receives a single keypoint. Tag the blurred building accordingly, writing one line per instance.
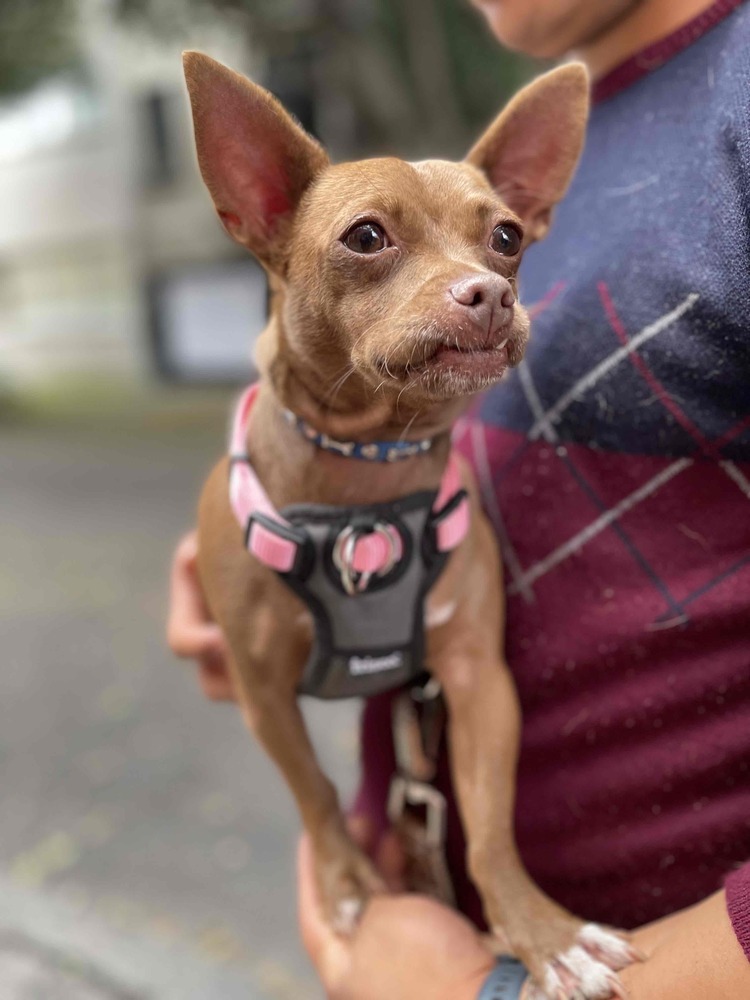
(111, 259)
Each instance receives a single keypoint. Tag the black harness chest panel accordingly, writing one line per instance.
(370, 641)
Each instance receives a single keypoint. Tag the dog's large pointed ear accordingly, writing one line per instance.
(256, 161)
(531, 150)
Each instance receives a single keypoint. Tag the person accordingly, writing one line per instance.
(614, 466)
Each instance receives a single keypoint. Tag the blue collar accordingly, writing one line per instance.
(373, 451)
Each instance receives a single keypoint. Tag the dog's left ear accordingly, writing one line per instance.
(531, 150)
(257, 162)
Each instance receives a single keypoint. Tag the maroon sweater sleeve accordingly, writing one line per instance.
(738, 905)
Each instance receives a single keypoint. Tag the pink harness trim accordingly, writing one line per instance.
(370, 554)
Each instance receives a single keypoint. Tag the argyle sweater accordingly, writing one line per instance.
(614, 465)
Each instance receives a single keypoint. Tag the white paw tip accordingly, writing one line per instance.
(534, 993)
(347, 915)
(552, 982)
(613, 949)
(593, 978)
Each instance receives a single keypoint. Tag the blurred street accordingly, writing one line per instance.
(146, 844)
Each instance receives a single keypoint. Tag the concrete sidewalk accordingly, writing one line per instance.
(50, 950)
(146, 844)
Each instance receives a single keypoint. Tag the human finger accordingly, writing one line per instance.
(191, 631)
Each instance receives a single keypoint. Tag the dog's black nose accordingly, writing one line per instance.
(488, 297)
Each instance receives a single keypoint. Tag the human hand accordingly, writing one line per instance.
(405, 946)
(191, 632)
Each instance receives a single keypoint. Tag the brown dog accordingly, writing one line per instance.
(394, 302)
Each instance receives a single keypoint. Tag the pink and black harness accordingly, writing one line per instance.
(363, 571)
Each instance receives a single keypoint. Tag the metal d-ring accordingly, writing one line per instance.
(343, 556)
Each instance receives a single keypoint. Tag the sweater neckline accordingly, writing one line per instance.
(660, 52)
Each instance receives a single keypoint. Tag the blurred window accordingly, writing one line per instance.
(205, 319)
(46, 117)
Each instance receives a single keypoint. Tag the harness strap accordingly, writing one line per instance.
(270, 537)
(453, 526)
(247, 497)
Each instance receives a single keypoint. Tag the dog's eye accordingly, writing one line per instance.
(366, 237)
(506, 240)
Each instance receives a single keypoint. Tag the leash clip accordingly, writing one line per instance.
(406, 793)
(416, 808)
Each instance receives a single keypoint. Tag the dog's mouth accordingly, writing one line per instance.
(471, 358)
(452, 359)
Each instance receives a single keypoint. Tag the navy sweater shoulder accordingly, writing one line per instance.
(655, 231)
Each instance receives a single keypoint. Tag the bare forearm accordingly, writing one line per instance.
(692, 955)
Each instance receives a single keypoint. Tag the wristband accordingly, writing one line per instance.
(506, 980)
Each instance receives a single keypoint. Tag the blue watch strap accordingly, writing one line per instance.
(505, 981)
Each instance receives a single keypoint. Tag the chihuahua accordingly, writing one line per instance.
(342, 547)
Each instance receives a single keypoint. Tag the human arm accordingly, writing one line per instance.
(408, 946)
(692, 955)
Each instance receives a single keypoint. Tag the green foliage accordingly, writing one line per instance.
(483, 73)
(479, 73)
(37, 40)
(420, 75)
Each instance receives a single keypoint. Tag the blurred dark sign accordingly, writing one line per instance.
(205, 319)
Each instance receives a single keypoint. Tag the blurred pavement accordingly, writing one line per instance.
(146, 844)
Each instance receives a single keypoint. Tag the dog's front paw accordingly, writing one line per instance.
(567, 959)
(346, 884)
(588, 969)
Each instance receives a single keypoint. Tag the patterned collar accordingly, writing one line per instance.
(372, 451)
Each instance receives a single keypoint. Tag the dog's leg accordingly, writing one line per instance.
(346, 876)
(269, 642)
(567, 958)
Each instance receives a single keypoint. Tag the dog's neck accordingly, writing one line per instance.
(294, 469)
(337, 401)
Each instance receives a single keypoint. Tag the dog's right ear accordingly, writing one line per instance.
(256, 161)
(529, 153)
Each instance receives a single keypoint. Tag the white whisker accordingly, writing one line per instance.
(330, 396)
(405, 431)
